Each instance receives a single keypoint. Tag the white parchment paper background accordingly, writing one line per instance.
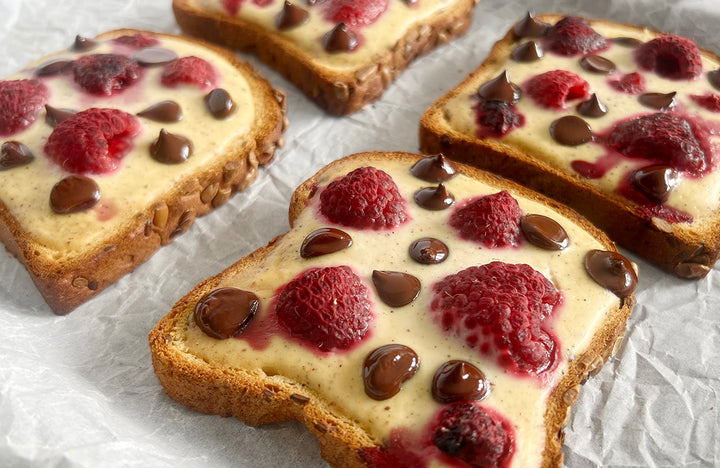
(79, 390)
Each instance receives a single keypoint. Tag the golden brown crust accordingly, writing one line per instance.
(339, 93)
(685, 252)
(257, 398)
(65, 284)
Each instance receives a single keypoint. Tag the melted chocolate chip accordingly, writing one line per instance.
(691, 270)
(660, 101)
(83, 44)
(655, 181)
(386, 368)
(74, 193)
(571, 131)
(53, 67)
(436, 168)
(340, 39)
(544, 232)
(593, 107)
(219, 103)
(169, 148)
(597, 64)
(54, 116)
(324, 241)
(163, 111)
(459, 381)
(151, 56)
(434, 198)
(500, 89)
(714, 78)
(291, 16)
(627, 41)
(396, 288)
(14, 154)
(428, 251)
(530, 26)
(611, 271)
(226, 312)
(527, 52)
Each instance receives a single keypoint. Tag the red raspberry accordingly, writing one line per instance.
(555, 88)
(92, 141)
(492, 220)
(500, 309)
(366, 198)
(233, 6)
(20, 102)
(478, 436)
(137, 41)
(663, 138)
(354, 12)
(496, 118)
(709, 101)
(105, 74)
(632, 83)
(326, 307)
(189, 70)
(672, 57)
(571, 36)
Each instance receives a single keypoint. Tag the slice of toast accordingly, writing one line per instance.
(310, 326)
(629, 140)
(384, 41)
(79, 219)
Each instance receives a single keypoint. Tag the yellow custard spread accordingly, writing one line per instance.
(336, 377)
(699, 197)
(140, 179)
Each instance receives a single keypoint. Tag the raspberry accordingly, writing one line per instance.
(631, 83)
(663, 138)
(474, 435)
(672, 57)
(500, 309)
(496, 118)
(189, 70)
(233, 6)
(709, 101)
(326, 307)
(555, 88)
(354, 12)
(92, 141)
(366, 198)
(105, 74)
(137, 41)
(492, 220)
(20, 102)
(571, 36)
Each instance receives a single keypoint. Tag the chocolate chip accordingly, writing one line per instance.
(73, 194)
(291, 16)
(163, 111)
(300, 399)
(544, 232)
(386, 368)
(627, 41)
(500, 89)
(219, 103)
(83, 44)
(152, 56)
(169, 148)
(530, 26)
(428, 251)
(53, 67)
(691, 270)
(611, 271)
(660, 101)
(340, 39)
(593, 107)
(436, 168)
(459, 381)
(570, 131)
(527, 52)
(324, 241)
(396, 288)
(226, 312)
(14, 154)
(597, 64)
(54, 116)
(656, 182)
(714, 78)
(434, 198)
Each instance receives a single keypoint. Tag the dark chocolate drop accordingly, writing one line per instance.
(714, 78)
(571, 131)
(387, 368)
(627, 41)
(500, 89)
(544, 232)
(593, 107)
(656, 182)
(152, 56)
(53, 67)
(14, 154)
(219, 103)
(54, 116)
(428, 251)
(597, 64)
(530, 26)
(291, 16)
(83, 44)
(434, 198)
(324, 241)
(340, 39)
(660, 101)
(396, 288)
(163, 111)
(459, 381)
(226, 312)
(527, 52)
(169, 148)
(611, 271)
(436, 168)
(73, 194)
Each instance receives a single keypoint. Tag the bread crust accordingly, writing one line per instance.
(257, 398)
(67, 283)
(337, 92)
(680, 250)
